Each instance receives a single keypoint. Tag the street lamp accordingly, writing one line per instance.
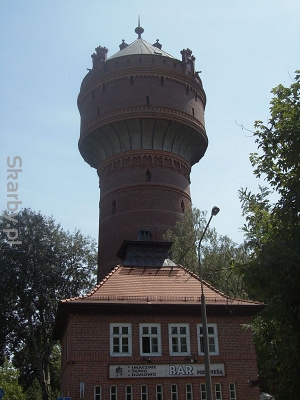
(214, 212)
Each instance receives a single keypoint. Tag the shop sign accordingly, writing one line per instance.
(163, 370)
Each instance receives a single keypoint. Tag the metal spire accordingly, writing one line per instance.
(139, 30)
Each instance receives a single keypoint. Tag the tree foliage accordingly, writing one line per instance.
(9, 382)
(272, 231)
(220, 256)
(50, 264)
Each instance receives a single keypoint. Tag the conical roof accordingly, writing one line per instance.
(140, 47)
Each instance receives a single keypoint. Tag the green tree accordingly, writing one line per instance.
(50, 264)
(9, 382)
(272, 231)
(220, 256)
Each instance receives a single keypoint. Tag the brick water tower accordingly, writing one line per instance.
(142, 128)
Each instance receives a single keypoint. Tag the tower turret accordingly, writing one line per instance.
(142, 128)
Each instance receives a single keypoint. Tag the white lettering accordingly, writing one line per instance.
(12, 186)
(15, 203)
(15, 171)
(14, 161)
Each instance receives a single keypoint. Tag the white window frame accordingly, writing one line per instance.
(203, 394)
(180, 336)
(212, 339)
(218, 391)
(232, 391)
(151, 336)
(174, 391)
(113, 396)
(144, 392)
(159, 392)
(189, 391)
(128, 393)
(97, 392)
(120, 336)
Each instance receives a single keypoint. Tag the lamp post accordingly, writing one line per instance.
(214, 212)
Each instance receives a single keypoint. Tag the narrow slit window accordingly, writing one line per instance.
(187, 89)
(193, 111)
(162, 80)
(131, 79)
(147, 99)
(103, 87)
(98, 110)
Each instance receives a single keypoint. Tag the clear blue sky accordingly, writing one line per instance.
(243, 48)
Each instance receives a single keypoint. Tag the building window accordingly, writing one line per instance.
(203, 391)
(159, 392)
(144, 392)
(103, 87)
(218, 391)
(113, 393)
(97, 393)
(120, 339)
(174, 392)
(128, 392)
(150, 339)
(187, 89)
(162, 80)
(131, 79)
(232, 391)
(193, 111)
(179, 339)
(213, 344)
(147, 99)
(189, 392)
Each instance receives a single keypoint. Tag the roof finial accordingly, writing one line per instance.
(139, 30)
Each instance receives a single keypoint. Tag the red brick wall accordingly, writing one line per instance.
(89, 349)
(128, 202)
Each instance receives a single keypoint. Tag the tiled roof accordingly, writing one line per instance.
(140, 46)
(155, 285)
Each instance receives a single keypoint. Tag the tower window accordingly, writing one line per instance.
(131, 79)
(193, 111)
(162, 80)
(187, 89)
(147, 99)
(196, 96)
(182, 205)
(148, 175)
(98, 110)
(103, 87)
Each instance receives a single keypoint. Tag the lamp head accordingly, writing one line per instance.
(215, 210)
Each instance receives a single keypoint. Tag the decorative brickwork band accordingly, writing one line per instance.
(142, 158)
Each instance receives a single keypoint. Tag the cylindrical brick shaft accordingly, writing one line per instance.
(142, 128)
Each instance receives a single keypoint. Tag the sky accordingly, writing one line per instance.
(244, 48)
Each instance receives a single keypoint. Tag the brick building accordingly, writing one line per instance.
(138, 334)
